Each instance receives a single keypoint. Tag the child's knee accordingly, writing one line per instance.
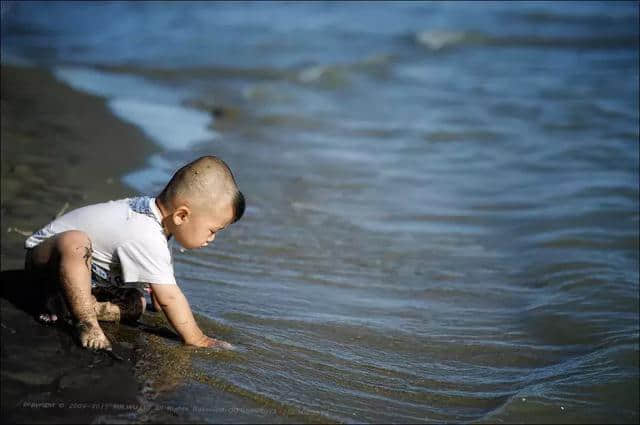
(74, 242)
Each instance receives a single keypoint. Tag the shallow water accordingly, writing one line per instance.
(443, 210)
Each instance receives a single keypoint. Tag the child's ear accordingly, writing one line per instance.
(181, 215)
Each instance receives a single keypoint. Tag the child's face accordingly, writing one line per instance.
(199, 227)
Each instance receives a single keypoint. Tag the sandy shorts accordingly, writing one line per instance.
(103, 287)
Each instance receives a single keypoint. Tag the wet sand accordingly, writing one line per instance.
(62, 149)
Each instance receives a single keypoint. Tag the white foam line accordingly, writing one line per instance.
(172, 126)
(156, 109)
(111, 85)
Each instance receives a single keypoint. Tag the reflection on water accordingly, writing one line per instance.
(443, 211)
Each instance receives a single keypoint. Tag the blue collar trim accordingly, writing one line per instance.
(142, 205)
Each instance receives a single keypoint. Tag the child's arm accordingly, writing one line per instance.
(176, 308)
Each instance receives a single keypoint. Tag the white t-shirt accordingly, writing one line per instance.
(129, 245)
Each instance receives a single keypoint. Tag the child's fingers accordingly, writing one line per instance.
(216, 343)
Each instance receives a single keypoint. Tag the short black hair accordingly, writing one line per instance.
(238, 206)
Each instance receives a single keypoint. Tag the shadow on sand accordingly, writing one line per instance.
(19, 291)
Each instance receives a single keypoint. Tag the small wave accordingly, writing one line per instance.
(542, 17)
(324, 74)
(327, 76)
(214, 71)
(337, 75)
(436, 40)
(313, 73)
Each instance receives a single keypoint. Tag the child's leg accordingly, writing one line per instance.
(67, 256)
(114, 304)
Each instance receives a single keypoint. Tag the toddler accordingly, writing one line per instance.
(94, 263)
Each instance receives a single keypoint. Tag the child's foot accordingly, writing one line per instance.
(91, 336)
(107, 312)
(54, 308)
(48, 318)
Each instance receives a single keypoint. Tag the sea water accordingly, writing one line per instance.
(442, 198)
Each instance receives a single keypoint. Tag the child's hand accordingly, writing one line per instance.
(218, 343)
(207, 342)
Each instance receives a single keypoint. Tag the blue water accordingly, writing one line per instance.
(443, 210)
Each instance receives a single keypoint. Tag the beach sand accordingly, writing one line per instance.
(62, 149)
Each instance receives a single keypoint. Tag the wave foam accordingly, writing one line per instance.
(154, 108)
(436, 40)
(440, 39)
(172, 126)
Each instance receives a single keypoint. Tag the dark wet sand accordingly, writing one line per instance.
(62, 149)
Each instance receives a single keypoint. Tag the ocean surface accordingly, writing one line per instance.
(443, 214)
